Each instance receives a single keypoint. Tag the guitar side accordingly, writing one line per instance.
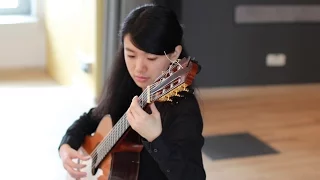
(121, 163)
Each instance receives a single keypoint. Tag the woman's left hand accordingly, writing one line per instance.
(147, 125)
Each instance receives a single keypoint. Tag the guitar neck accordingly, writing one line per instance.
(176, 79)
(115, 134)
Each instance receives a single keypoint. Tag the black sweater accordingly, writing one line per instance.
(174, 155)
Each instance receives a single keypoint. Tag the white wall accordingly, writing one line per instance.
(22, 40)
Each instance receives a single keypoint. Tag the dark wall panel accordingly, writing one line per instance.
(234, 54)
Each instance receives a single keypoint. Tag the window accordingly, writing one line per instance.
(15, 7)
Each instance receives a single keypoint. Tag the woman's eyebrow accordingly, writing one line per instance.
(128, 49)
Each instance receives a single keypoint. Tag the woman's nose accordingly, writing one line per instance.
(140, 65)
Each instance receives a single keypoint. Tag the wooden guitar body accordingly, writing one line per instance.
(121, 163)
(115, 149)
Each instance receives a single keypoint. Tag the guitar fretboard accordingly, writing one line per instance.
(114, 135)
(165, 84)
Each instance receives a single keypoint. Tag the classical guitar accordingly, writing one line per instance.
(115, 149)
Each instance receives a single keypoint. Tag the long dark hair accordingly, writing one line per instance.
(153, 29)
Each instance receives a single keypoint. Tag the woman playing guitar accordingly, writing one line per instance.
(169, 132)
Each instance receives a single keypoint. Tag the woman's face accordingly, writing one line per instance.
(143, 67)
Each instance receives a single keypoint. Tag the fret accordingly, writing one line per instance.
(166, 86)
(115, 134)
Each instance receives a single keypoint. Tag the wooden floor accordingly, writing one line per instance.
(285, 117)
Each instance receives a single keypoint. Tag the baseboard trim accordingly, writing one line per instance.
(217, 92)
(24, 74)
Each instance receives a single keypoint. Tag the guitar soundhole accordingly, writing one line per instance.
(94, 161)
(94, 170)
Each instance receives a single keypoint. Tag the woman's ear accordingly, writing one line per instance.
(177, 51)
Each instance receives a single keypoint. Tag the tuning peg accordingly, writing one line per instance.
(185, 89)
(176, 94)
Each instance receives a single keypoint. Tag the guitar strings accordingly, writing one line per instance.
(142, 96)
(172, 61)
(94, 153)
(100, 147)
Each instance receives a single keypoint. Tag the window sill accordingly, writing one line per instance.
(17, 19)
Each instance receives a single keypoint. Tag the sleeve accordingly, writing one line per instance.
(76, 133)
(178, 149)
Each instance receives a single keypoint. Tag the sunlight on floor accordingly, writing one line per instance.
(33, 119)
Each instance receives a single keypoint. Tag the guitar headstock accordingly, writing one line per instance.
(176, 79)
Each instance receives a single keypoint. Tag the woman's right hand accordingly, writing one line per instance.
(67, 154)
